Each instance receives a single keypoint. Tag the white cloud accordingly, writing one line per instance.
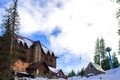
(82, 22)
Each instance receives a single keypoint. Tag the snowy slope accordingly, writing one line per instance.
(113, 74)
(24, 78)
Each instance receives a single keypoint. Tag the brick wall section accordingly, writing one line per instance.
(20, 66)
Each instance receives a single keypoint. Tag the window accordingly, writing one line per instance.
(58, 74)
(90, 66)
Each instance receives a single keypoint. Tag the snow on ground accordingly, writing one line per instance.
(25, 78)
(113, 74)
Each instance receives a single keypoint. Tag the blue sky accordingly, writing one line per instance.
(69, 28)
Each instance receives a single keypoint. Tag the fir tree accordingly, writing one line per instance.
(100, 53)
(102, 49)
(119, 47)
(71, 74)
(105, 63)
(82, 72)
(100, 56)
(97, 54)
(78, 73)
(115, 60)
(8, 52)
(117, 16)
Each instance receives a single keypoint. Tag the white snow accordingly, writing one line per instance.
(46, 50)
(25, 78)
(97, 67)
(54, 70)
(24, 40)
(113, 74)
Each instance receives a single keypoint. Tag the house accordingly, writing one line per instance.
(93, 69)
(58, 73)
(35, 58)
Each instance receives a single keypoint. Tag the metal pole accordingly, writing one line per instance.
(111, 64)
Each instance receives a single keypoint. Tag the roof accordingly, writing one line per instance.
(30, 42)
(54, 69)
(97, 67)
(25, 40)
(46, 50)
(36, 65)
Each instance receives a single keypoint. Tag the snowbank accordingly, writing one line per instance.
(113, 74)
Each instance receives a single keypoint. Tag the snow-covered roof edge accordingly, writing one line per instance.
(30, 42)
(97, 67)
(54, 69)
(24, 40)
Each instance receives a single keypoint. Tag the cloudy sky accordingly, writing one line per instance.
(69, 28)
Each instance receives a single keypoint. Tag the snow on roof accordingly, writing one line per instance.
(25, 40)
(23, 72)
(53, 69)
(97, 67)
(30, 42)
(46, 50)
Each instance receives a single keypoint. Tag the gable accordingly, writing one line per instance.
(60, 73)
(97, 67)
(92, 66)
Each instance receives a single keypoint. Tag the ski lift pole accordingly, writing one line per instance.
(111, 64)
(108, 49)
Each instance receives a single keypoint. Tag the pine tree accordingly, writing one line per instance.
(8, 52)
(102, 49)
(100, 56)
(117, 16)
(119, 47)
(78, 73)
(82, 72)
(97, 54)
(105, 63)
(71, 74)
(115, 60)
(100, 53)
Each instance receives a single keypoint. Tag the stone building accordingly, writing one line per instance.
(35, 59)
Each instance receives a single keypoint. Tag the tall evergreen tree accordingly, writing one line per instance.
(100, 53)
(78, 73)
(8, 51)
(102, 49)
(105, 63)
(82, 72)
(115, 60)
(117, 16)
(119, 47)
(71, 74)
(100, 56)
(97, 54)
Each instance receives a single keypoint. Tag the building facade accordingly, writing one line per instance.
(34, 58)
